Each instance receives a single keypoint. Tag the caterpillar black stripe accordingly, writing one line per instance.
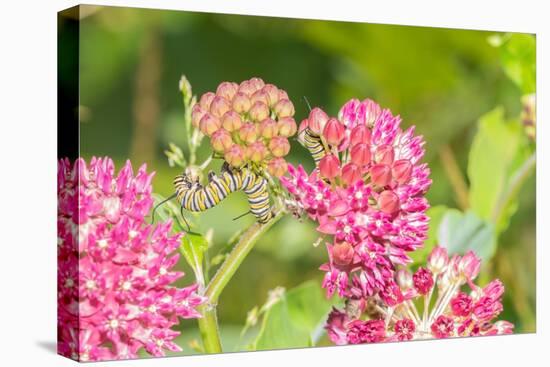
(197, 198)
(313, 143)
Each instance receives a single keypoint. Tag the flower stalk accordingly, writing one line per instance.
(208, 324)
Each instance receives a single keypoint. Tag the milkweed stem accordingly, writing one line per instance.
(208, 324)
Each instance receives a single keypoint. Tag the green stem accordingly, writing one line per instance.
(515, 184)
(208, 324)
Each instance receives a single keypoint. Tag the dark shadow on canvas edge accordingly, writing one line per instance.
(48, 345)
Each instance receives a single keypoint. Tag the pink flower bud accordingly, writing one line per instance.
(342, 253)
(277, 167)
(247, 88)
(206, 100)
(372, 111)
(317, 120)
(461, 305)
(279, 146)
(256, 83)
(227, 90)
(388, 202)
(380, 174)
(329, 166)
(219, 106)
(404, 279)
(260, 96)
(256, 152)
(231, 121)
(404, 329)
(423, 280)
(283, 95)
(402, 171)
(284, 108)
(494, 290)
(259, 111)
(360, 154)
(221, 140)
(248, 133)
(241, 103)
(469, 265)
(384, 154)
(235, 156)
(209, 124)
(287, 126)
(268, 128)
(438, 259)
(303, 125)
(501, 327)
(391, 294)
(351, 173)
(272, 93)
(334, 132)
(360, 134)
(442, 327)
(196, 114)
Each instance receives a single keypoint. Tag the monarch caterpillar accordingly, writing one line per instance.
(197, 198)
(314, 145)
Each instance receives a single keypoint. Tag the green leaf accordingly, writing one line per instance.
(518, 55)
(496, 153)
(460, 232)
(295, 319)
(193, 246)
(435, 214)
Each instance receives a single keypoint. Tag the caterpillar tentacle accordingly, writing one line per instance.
(197, 198)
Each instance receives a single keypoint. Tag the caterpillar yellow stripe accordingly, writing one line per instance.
(197, 198)
(313, 143)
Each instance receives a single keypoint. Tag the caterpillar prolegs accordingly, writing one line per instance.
(197, 198)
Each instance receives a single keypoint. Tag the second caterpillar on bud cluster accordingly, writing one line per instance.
(248, 124)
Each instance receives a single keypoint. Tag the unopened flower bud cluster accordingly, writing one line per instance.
(248, 124)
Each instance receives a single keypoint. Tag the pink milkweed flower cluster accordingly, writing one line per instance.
(115, 271)
(407, 310)
(367, 193)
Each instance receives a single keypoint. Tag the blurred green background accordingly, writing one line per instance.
(441, 80)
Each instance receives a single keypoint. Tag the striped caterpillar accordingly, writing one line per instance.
(313, 143)
(197, 198)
